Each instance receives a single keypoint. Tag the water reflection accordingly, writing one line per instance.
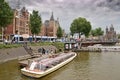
(86, 66)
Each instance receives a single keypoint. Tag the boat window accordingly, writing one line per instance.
(32, 66)
(37, 66)
(49, 62)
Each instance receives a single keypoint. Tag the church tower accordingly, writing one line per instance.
(51, 25)
(106, 29)
(52, 17)
(112, 28)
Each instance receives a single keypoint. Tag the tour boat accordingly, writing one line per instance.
(43, 67)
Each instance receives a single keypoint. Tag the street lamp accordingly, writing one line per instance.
(18, 24)
(18, 21)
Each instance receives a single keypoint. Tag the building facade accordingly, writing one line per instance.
(110, 34)
(49, 27)
(21, 21)
(20, 24)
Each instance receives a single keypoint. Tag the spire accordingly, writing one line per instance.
(23, 9)
(112, 25)
(58, 21)
(18, 4)
(111, 28)
(106, 29)
(52, 17)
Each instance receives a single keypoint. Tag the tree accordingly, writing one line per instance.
(93, 33)
(35, 23)
(59, 32)
(6, 15)
(81, 26)
(118, 36)
(97, 32)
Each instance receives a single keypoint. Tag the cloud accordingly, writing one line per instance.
(100, 13)
(112, 4)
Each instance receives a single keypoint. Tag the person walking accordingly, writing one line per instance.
(43, 51)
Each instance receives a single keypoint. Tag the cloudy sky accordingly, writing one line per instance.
(100, 13)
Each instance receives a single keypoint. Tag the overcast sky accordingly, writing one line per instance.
(100, 13)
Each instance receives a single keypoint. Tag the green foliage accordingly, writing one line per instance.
(40, 44)
(97, 32)
(58, 45)
(35, 22)
(59, 32)
(118, 36)
(6, 14)
(10, 46)
(93, 33)
(80, 25)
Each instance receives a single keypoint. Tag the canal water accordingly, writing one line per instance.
(86, 66)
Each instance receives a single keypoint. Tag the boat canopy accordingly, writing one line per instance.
(49, 62)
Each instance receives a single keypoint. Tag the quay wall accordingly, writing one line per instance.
(11, 53)
(15, 53)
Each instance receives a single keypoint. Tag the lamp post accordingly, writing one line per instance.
(18, 23)
(18, 17)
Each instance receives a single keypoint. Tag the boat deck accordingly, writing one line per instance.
(45, 66)
(24, 62)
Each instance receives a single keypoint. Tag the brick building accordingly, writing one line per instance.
(49, 27)
(20, 24)
(110, 34)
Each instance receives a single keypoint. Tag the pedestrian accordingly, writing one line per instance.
(39, 50)
(43, 51)
(5, 41)
(46, 51)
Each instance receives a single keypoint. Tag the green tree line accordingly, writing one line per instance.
(6, 15)
(97, 32)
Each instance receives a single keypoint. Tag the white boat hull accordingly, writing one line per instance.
(41, 74)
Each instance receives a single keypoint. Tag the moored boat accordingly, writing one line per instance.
(43, 67)
(105, 48)
(111, 49)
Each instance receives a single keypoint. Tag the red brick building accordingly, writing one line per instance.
(20, 24)
(49, 27)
